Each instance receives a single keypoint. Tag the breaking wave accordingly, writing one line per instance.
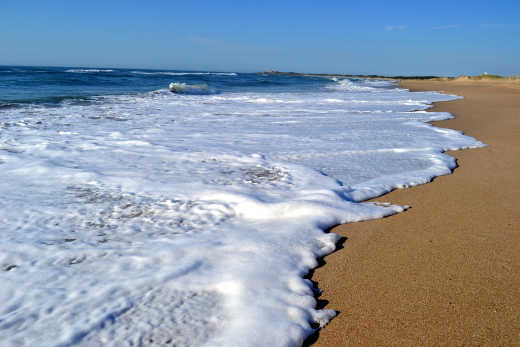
(88, 70)
(360, 86)
(183, 88)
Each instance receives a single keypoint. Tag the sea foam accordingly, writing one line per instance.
(88, 70)
(170, 73)
(191, 219)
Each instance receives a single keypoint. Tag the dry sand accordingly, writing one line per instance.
(447, 271)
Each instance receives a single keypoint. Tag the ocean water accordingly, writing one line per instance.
(131, 215)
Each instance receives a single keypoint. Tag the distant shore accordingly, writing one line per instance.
(445, 272)
(281, 73)
(483, 77)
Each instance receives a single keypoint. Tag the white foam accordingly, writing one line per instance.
(88, 70)
(183, 88)
(348, 85)
(168, 73)
(192, 219)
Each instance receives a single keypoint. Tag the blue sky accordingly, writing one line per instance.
(372, 37)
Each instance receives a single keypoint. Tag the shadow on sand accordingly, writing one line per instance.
(320, 303)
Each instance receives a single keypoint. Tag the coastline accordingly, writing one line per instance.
(445, 271)
(513, 81)
(331, 75)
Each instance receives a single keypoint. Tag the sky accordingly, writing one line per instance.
(352, 37)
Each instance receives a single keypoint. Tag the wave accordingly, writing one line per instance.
(361, 85)
(380, 83)
(348, 85)
(184, 73)
(30, 71)
(4, 106)
(88, 70)
(25, 71)
(52, 101)
(195, 89)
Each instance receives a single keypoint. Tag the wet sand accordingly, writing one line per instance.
(447, 271)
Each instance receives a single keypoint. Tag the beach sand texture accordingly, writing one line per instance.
(447, 271)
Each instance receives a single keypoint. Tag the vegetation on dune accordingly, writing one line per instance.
(486, 76)
(492, 76)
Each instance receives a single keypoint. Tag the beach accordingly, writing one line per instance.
(129, 219)
(446, 271)
(191, 215)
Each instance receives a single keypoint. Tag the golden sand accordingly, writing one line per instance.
(447, 271)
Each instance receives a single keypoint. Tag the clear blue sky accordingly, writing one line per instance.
(381, 37)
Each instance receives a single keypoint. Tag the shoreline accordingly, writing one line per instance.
(442, 272)
(514, 80)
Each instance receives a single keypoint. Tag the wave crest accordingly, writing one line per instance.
(88, 70)
(348, 85)
(361, 85)
(183, 88)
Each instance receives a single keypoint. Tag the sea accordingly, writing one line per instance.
(133, 215)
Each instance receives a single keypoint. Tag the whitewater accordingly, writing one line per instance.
(189, 218)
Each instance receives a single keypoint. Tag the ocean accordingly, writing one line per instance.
(131, 215)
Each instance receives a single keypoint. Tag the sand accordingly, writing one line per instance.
(447, 271)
